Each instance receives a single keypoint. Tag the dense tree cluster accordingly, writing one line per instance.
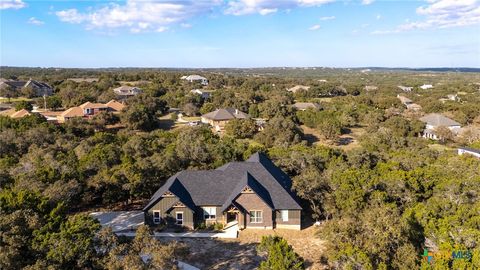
(380, 203)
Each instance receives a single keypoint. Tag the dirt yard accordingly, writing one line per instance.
(241, 253)
(345, 142)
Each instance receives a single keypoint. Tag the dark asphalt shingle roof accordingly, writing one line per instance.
(226, 114)
(221, 186)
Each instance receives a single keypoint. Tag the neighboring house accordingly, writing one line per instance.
(405, 101)
(453, 97)
(371, 88)
(434, 121)
(203, 93)
(414, 107)
(40, 88)
(220, 117)
(303, 106)
(297, 88)
(196, 78)
(51, 116)
(409, 103)
(469, 151)
(89, 109)
(426, 86)
(127, 91)
(405, 88)
(254, 193)
(69, 114)
(12, 113)
(115, 106)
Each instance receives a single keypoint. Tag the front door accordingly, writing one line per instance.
(231, 216)
(179, 218)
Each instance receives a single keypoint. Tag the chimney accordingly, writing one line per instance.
(236, 111)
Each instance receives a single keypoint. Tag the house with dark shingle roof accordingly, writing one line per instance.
(220, 117)
(39, 88)
(254, 193)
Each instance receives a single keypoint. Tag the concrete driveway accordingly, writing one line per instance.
(120, 220)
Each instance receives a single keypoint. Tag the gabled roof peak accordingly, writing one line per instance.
(258, 157)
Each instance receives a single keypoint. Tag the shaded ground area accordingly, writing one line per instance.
(220, 253)
(345, 142)
(241, 253)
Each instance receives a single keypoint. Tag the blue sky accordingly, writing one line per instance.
(240, 33)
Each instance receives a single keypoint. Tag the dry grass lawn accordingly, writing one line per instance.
(241, 253)
(345, 142)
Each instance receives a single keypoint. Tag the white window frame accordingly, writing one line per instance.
(209, 213)
(284, 215)
(156, 220)
(256, 218)
(179, 221)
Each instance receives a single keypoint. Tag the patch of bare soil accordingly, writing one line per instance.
(216, 254)
(240, 254)
(345, 141)
(304, 242)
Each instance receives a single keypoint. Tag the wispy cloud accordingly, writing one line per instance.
(137, 15)
(314, 27)
(327, 18)
(153, 15)
(12, 4)
(442, 14)
(264, 7)
(35, 21)
(367, 2)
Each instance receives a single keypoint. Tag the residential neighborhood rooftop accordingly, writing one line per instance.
(436, 120)
(225, 114)
(12, 113)
(220, 186)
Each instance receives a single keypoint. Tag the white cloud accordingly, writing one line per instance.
(185, 25)
(442, 14)
(138, 15)
(378, 17)
(314, 2)
(13, 4)
(449, 13)
(327, 18)
(151, 15)
(71, 16)
(367, 2)
(266, 11)
(35, 21)
(314, 27)
(264, 7)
